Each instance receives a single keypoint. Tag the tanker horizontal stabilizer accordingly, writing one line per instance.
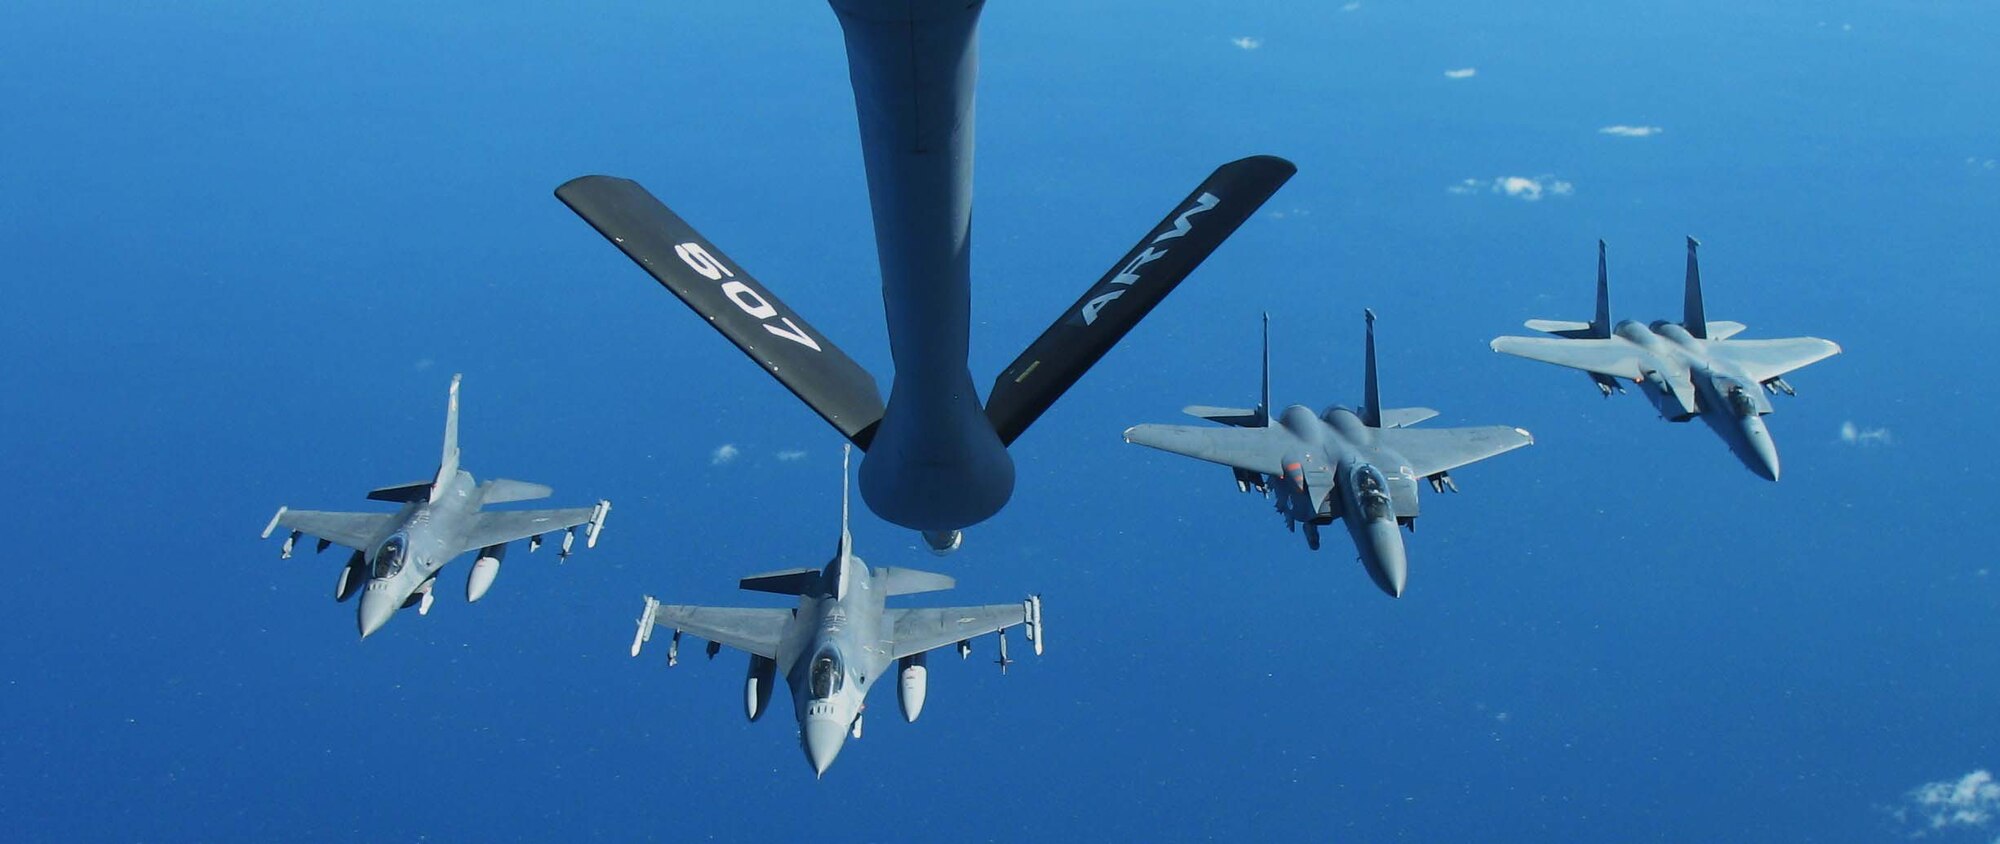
(739, 307)
(1130, 290)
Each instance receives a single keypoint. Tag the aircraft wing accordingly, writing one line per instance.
(1434, 450)
(1764, 360)
(359, 531)
(1254, 449)
(1615, 356)
(496, 527)
(915, 631)
(756, 630)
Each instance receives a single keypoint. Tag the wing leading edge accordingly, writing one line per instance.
(1252, 449)
(1434, 450)
(918, 630)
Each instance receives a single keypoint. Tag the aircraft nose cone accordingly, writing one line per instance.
(1762, 448)
(376, 607)
(823, 740)
(1387, 564)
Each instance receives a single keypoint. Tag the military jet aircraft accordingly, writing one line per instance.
(397, 555)
(937, 460)
(839, 640)
(1691, 368)
(1358, 466)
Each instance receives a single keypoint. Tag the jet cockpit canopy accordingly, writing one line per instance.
(1371, 490)
(828, 674)
(389, 557)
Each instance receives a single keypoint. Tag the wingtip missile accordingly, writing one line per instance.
(645, 631)
(597, 518)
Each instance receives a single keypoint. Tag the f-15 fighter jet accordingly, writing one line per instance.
(397, 555)
(1358, 466)
(839, 640)
(1687, 369)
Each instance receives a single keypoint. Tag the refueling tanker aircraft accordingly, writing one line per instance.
(1687, 369)
(397, 555)
(840, 639)
(1358, 466)
(937, 459)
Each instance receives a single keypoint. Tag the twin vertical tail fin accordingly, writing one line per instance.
(448, 464)
(1696, 320)
(1264, 395)
(1600, 324)
(1371, 400)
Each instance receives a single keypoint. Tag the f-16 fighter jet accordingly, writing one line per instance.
(1687, 369)
(397, 555)
(840, 639)
(1357, 466)
(937, 459)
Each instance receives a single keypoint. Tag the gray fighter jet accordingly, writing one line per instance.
(1687, 369)
(1358, 466)
(840, 639)
(937, 460)
(397, 555)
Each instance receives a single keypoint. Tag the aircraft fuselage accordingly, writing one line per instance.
(1345, 474)
(1727, 399)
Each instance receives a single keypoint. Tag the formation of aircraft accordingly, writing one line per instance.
(840, 639)
(936, 457)
(1358, 466)
(396, 556)
(1695, 367)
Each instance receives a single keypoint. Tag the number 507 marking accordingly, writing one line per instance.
(748, 300)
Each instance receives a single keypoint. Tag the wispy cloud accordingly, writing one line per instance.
(1352, 7)
(790, 455)
(1247, 42)
(724, 453)
(1853, 434)
(1623, 131)
(1970, 802)
(1977, 163)
(1462, 73)
(1524, 188)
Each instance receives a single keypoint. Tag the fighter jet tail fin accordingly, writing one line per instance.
(1371, 401)
(1130, 290)
(1238, 417)
(1599, 327)
(841, 570)
(448, 464)
(1696, 319)
(748, 314)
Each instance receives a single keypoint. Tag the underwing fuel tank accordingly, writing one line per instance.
(483, 572)
(757, 686)
(913, 686)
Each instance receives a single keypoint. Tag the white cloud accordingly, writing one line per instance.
(1462, 73)
(790, 455)
(1853, 434)
(1351, 7)
(1623, 131)
(1970, 802)
(724, 453)
(1247, 42)
(1977, 164)
(1524, 188)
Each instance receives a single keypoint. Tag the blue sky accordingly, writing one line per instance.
(247, 247)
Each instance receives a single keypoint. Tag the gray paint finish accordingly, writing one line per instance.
(397, 555)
